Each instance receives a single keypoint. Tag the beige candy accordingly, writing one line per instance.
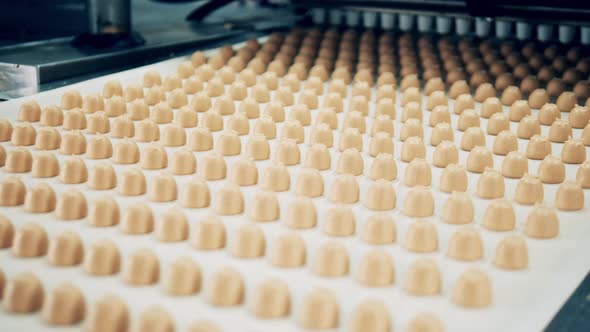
(542, 223)
(271, 80)
(204, 326)
(154, 95)
(200, 139)
(569, 196)
(212, 120)
(439, 114)
(99, 147)
(122, 127)
(425, 322)
(154, 319)
(385, 107)
(380, 196)
(350, 138)
(19, 160)
(257, 147)
(458, 88)
(74, 119)
(238, 90)
(548, 113)
(382, 124)
(52, 116)
(453, 178)
(528, 127)
(362, 89)
(418, 173)
(137, 219)
(287, 152)
(421, 237)
(409, 81)
(73, 170)
(153, 157)
(2, 156)
(23, 134)
(69, 100)
(65, 249)
(215, 87)
(490, 184)
(309, 183)
(573, 152)
(23, 294)
(225, 288)
(182, 277)
(344, 189)
(551, 170)
(467, 119)
(445, 153)
(411, 110)
(458, 209)
(410, 95)
(73, 143)
(515, 165)
(71, 205)
(484, 91)
(162, 113)
(381, 142)
(244, 172)
(228, 200)
(318, 157)
(271, 299)
(411, 128)
(463, 102)
(356, 120)
(276, 177)
(518, 110)
(183, 162)
(192, 85)
(265, 206)
(490, 106)
(126, 152)
(385, 91)
(248, 242)
(102, 177)
(132, 182)
(538, 98)
(288, 251)
(322, 134)
(265, 126)
(98, 123)
(30, 240)
(505, 142)
(473, 289)
(327, 116)
(6, 233)
(319, 310)
(529, 190)
(262, 94)
(566, 101)
(201, 102)
(64, 306)
(583, 174)
(209, 234)
(472, 137)
(224, 105)
(512, 253)
(138, 110)
(162, 188)
(95, 103)
(285, 96)
(579, 116)
(383, 167)
(40, 199)
(250, 108)
(432, 85)
(30, 111)
(339, 221)
(423, 278)
(331, 260)
(466, 244)
(301, 213)
(103, 258)
(419, 202)
(195, 194)
(510, 95)
(45, 165)
(104, 212)
(376, 269)
(370, 315)
(499, 215)
(560, 131)
(108, 313)
(436, 98)
(293, 130)
(538, 147)
(334, 101)
(497, 123)
(141, 268)
(413, 148)
(5, 130)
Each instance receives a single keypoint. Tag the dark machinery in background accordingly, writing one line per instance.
(44, 44)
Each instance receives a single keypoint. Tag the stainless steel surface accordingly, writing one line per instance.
(109, 16)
